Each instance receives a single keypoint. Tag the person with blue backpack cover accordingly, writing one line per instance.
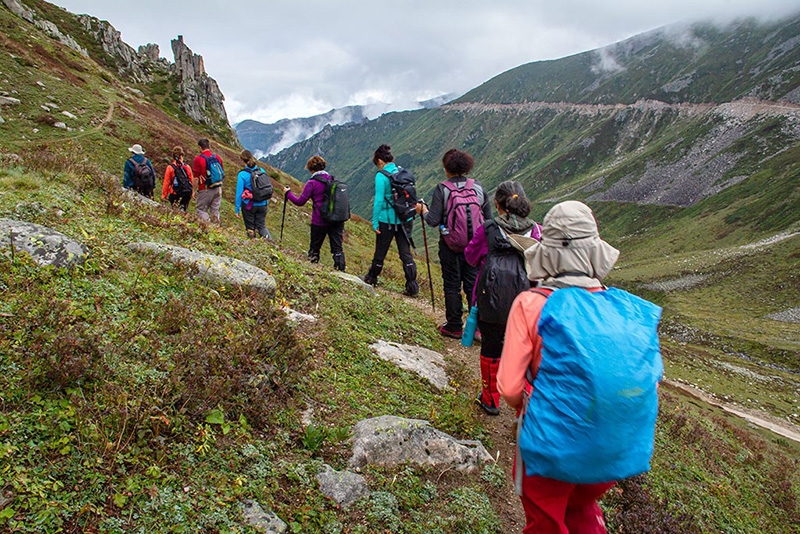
(581, 364)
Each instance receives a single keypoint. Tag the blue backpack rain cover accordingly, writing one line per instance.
(591, 415)
(214, 172)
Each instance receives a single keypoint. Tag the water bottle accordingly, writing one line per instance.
(470, 327)
(443, 230)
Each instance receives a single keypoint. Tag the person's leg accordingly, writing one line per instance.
(204, 198)
(469, 275)
(216, 200)
(491, 350)
(249, 219)
(583, 514)
(402, 237)
(451, 281)
(318, 234)
(382, 242)
(336, 239)
(260, 221)
(544, 501)
(184, 200)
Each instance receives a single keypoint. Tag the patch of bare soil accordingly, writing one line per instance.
(501, 428)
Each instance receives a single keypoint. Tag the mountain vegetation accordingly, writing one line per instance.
(137, 397)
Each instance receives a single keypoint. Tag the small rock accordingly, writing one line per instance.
(266, 522)
(343, 487)
(8, 100)
(2, 121)
(60, 125)
(68, 115)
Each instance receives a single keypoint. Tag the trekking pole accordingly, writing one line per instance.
(283, 217)
(427, 260)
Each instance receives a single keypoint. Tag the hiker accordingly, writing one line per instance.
(387, 225)
(254, 210)
(178, 181)
(208, 175)
(502, 277)
(458, 208)
(139, 174)
(315, 191)
(571, 254)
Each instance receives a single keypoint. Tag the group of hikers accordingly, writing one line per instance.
(202, 181)
(578, 362)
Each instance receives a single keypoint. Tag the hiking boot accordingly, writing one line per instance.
(490, 410)
(411, 294)
(455, 334)
(371, 280)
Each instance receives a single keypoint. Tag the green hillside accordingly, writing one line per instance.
(699, 62)
(135, 397)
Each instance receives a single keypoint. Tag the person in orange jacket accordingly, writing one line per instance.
(178, 181)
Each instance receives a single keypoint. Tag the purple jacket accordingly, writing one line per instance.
(314, 190)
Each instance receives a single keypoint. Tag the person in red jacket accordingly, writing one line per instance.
(208, 199)
(178, 180)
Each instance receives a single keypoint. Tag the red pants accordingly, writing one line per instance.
(555, 507)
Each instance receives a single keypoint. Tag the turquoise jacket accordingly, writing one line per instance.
(243, 180)
(382, 209)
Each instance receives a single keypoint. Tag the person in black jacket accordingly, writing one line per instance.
(457, 274)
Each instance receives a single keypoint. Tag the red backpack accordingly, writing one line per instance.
(462, 213)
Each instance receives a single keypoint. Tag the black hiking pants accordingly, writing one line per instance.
(457, 275)
(335, 234)
(255, 221)
(400, 234)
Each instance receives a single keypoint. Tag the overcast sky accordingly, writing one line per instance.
(279, 59)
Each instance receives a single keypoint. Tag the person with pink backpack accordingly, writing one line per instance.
(458, 208)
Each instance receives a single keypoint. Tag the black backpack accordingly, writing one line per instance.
(335, 205)
(181, 183)
(144, 181)
(260, 184)
(503, 277)
(404, 193)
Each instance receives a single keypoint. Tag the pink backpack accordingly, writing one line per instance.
(463, 214)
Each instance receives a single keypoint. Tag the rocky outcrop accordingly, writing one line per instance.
(21, 10)
(261, 520)
(129, 63)
(426, 363)
(343, 487)
(202, 99)
(219, 270)
(390, 440)
(45, 245)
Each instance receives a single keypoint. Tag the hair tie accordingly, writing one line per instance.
(515, 195)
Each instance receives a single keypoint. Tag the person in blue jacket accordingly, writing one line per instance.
(254, 214)
(387, 226)
(138, 163)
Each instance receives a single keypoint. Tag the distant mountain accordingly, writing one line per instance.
(682, 116)
(263, 139)
(267, 139)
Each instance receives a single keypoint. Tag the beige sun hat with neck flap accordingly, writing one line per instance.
(136, 149)
(571, 249)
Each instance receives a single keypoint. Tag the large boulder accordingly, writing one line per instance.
(426, 363)
(388, 440)
(216, 269)
(47, 246)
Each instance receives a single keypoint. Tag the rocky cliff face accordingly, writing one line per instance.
(202, 98)
(21, 10)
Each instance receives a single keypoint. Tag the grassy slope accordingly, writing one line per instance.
(136, 399)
